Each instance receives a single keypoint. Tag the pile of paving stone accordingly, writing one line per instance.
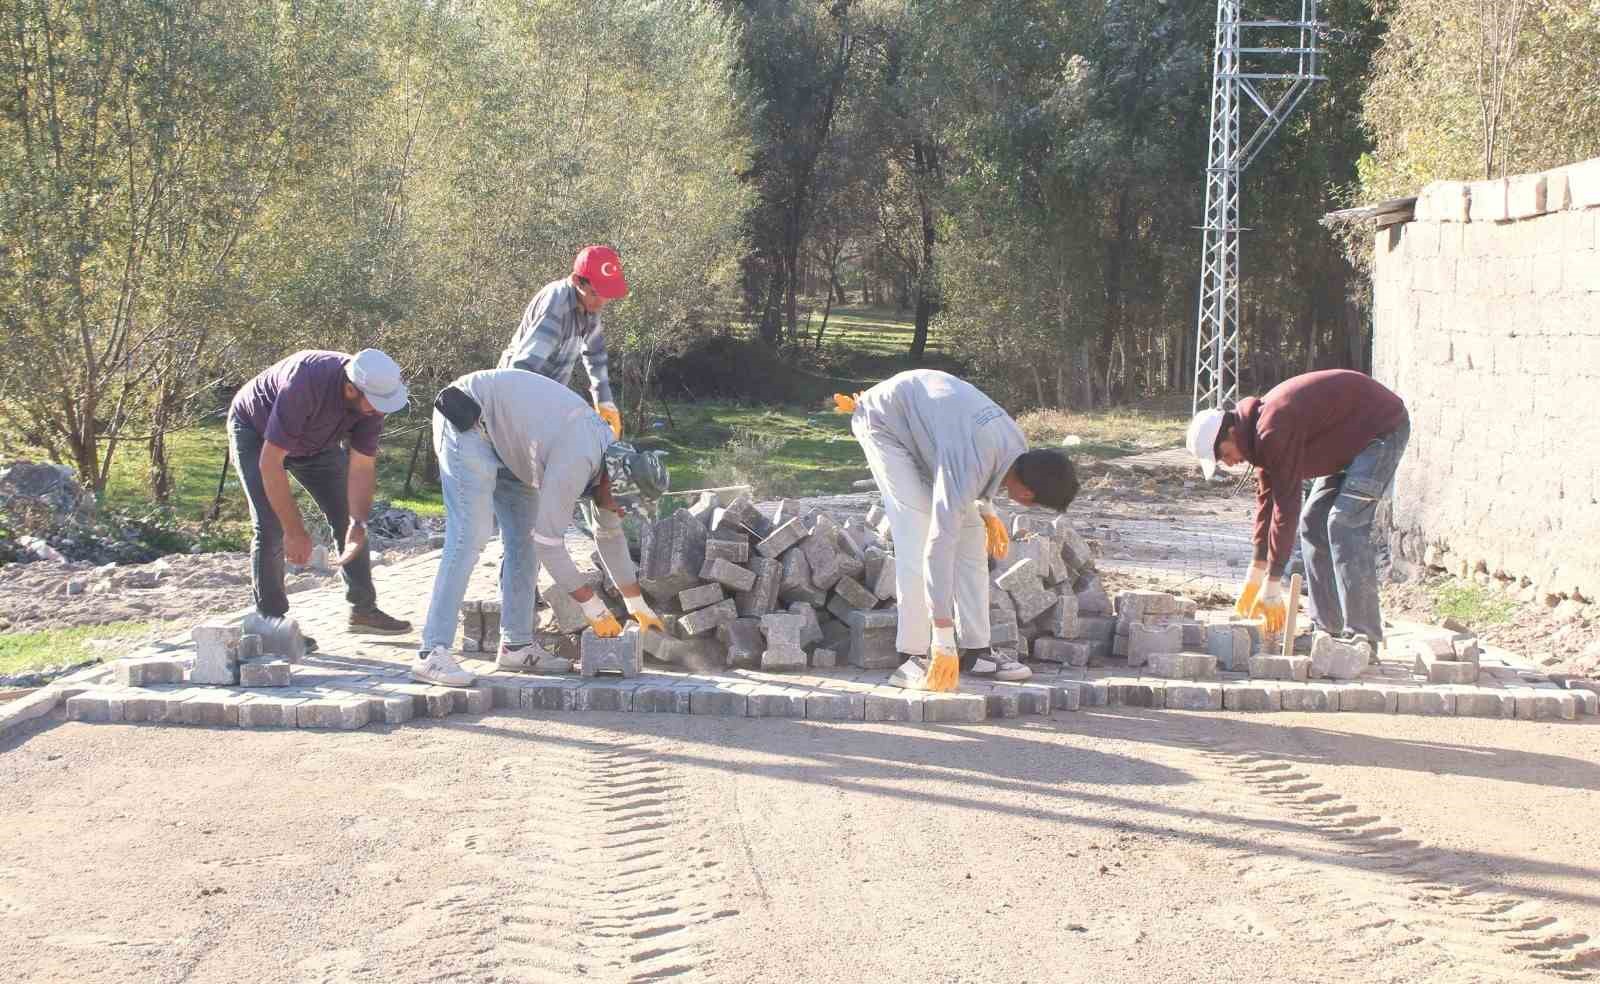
(803, 588)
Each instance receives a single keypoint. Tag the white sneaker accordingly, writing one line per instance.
(1001, 667)
(532, 658)
(441, 668)
(911, 675)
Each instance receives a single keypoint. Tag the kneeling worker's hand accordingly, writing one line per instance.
(642, 613)
(604, 623)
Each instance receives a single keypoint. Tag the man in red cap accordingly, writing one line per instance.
(563, 320)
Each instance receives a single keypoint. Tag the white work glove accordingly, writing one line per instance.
(642, 613)
(610, 414)
(944, 661)
(604, 623)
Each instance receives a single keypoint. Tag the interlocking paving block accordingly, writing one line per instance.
(250, 647)
(1446, 671)
(1092, 599)
(1146, 640)
(264, 673)
(1004, 632)
(1069, 696)
(1183, 666)
(342, 713)
(1585, 701)
(893, 704)
(1061, 620)
(1309, 697)
(782, 657)
(145, 671)
(214, 709)
(603, 695)
(1034, 604)
(99, 706)
(782, 538)
(1095, 627)
(762, 597)
(1280, 668)
(1194, 635)
(1335, 659)
(872, 638)
(1484, 702)
(661, 699)
(855, 593)
(1251, 697)
(264, 711)
(1020, 574)
(762, 701)
(810, 626)
(471, 700)
(782, 628)
(1001, 704)
(622, 654)
(157, 706)
(717, 702)
(1068, 652)
(700, 597)
(1368, 699)
(1141, 603)
(216, 654)
(742, 514)
(881, 573)
(826, 659)
(1194, 696)
(1419, 701)
(549, 695)
(744, 640)
(953, 708)
(1033, 699)
(1122, 692)
(733, 551)
(831, 705)
(672, 552)
(386, 707)
(1545, 705)
(794, 581)
(824, 553)
(699, 653)
(708, 619)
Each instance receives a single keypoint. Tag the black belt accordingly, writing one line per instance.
(456, 406)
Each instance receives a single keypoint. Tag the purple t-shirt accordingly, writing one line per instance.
(299, 405)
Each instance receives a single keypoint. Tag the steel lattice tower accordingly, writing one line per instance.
(1274, 72)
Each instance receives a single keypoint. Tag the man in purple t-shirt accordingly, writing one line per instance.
(291, 420)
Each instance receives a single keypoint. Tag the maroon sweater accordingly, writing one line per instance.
(1307, 427)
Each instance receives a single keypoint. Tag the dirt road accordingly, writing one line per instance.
(1101, 846)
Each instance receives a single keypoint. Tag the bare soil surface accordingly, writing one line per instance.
(1109, 846)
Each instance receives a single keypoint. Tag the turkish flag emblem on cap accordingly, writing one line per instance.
(601, 266)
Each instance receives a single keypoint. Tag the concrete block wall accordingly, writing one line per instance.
(1487, 322)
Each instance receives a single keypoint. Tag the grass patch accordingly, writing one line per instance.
(1111, 434)
(24, 652)
(780, 450)
(1473, 604)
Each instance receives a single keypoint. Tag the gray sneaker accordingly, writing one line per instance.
(912, 674)
(531, 658)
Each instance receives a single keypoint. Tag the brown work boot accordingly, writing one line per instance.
(377, 623)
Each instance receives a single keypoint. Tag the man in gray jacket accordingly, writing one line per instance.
(523, 448)
(939, 450)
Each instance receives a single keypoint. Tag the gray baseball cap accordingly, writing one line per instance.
(378, 378)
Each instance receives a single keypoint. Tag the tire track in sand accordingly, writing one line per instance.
(1382, 887)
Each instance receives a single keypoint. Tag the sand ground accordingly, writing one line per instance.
(1105, 846)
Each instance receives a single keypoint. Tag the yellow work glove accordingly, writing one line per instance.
(1271, 606)
(944, 661)
(1246, 605)
(994, 531)
(843, 404)
(642, 613)
(604, 623)
(608, 413)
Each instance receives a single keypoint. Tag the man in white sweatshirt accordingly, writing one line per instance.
(523, 448)
(939, 450)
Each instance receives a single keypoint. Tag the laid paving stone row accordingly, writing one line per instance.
(1190, 664)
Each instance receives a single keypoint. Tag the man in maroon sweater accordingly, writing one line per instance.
(1347, 431)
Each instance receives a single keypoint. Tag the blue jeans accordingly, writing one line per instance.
(1336, 534)
(326, 475)
(478, 490)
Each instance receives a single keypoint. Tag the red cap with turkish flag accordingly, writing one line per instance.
(601, 266)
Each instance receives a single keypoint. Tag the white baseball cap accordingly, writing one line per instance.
(378, 378)
(1202, 439)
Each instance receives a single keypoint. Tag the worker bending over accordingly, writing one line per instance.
(1347, 431)
(522, 448)
(939, 450)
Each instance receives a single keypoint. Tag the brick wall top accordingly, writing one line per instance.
(1576, 186)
